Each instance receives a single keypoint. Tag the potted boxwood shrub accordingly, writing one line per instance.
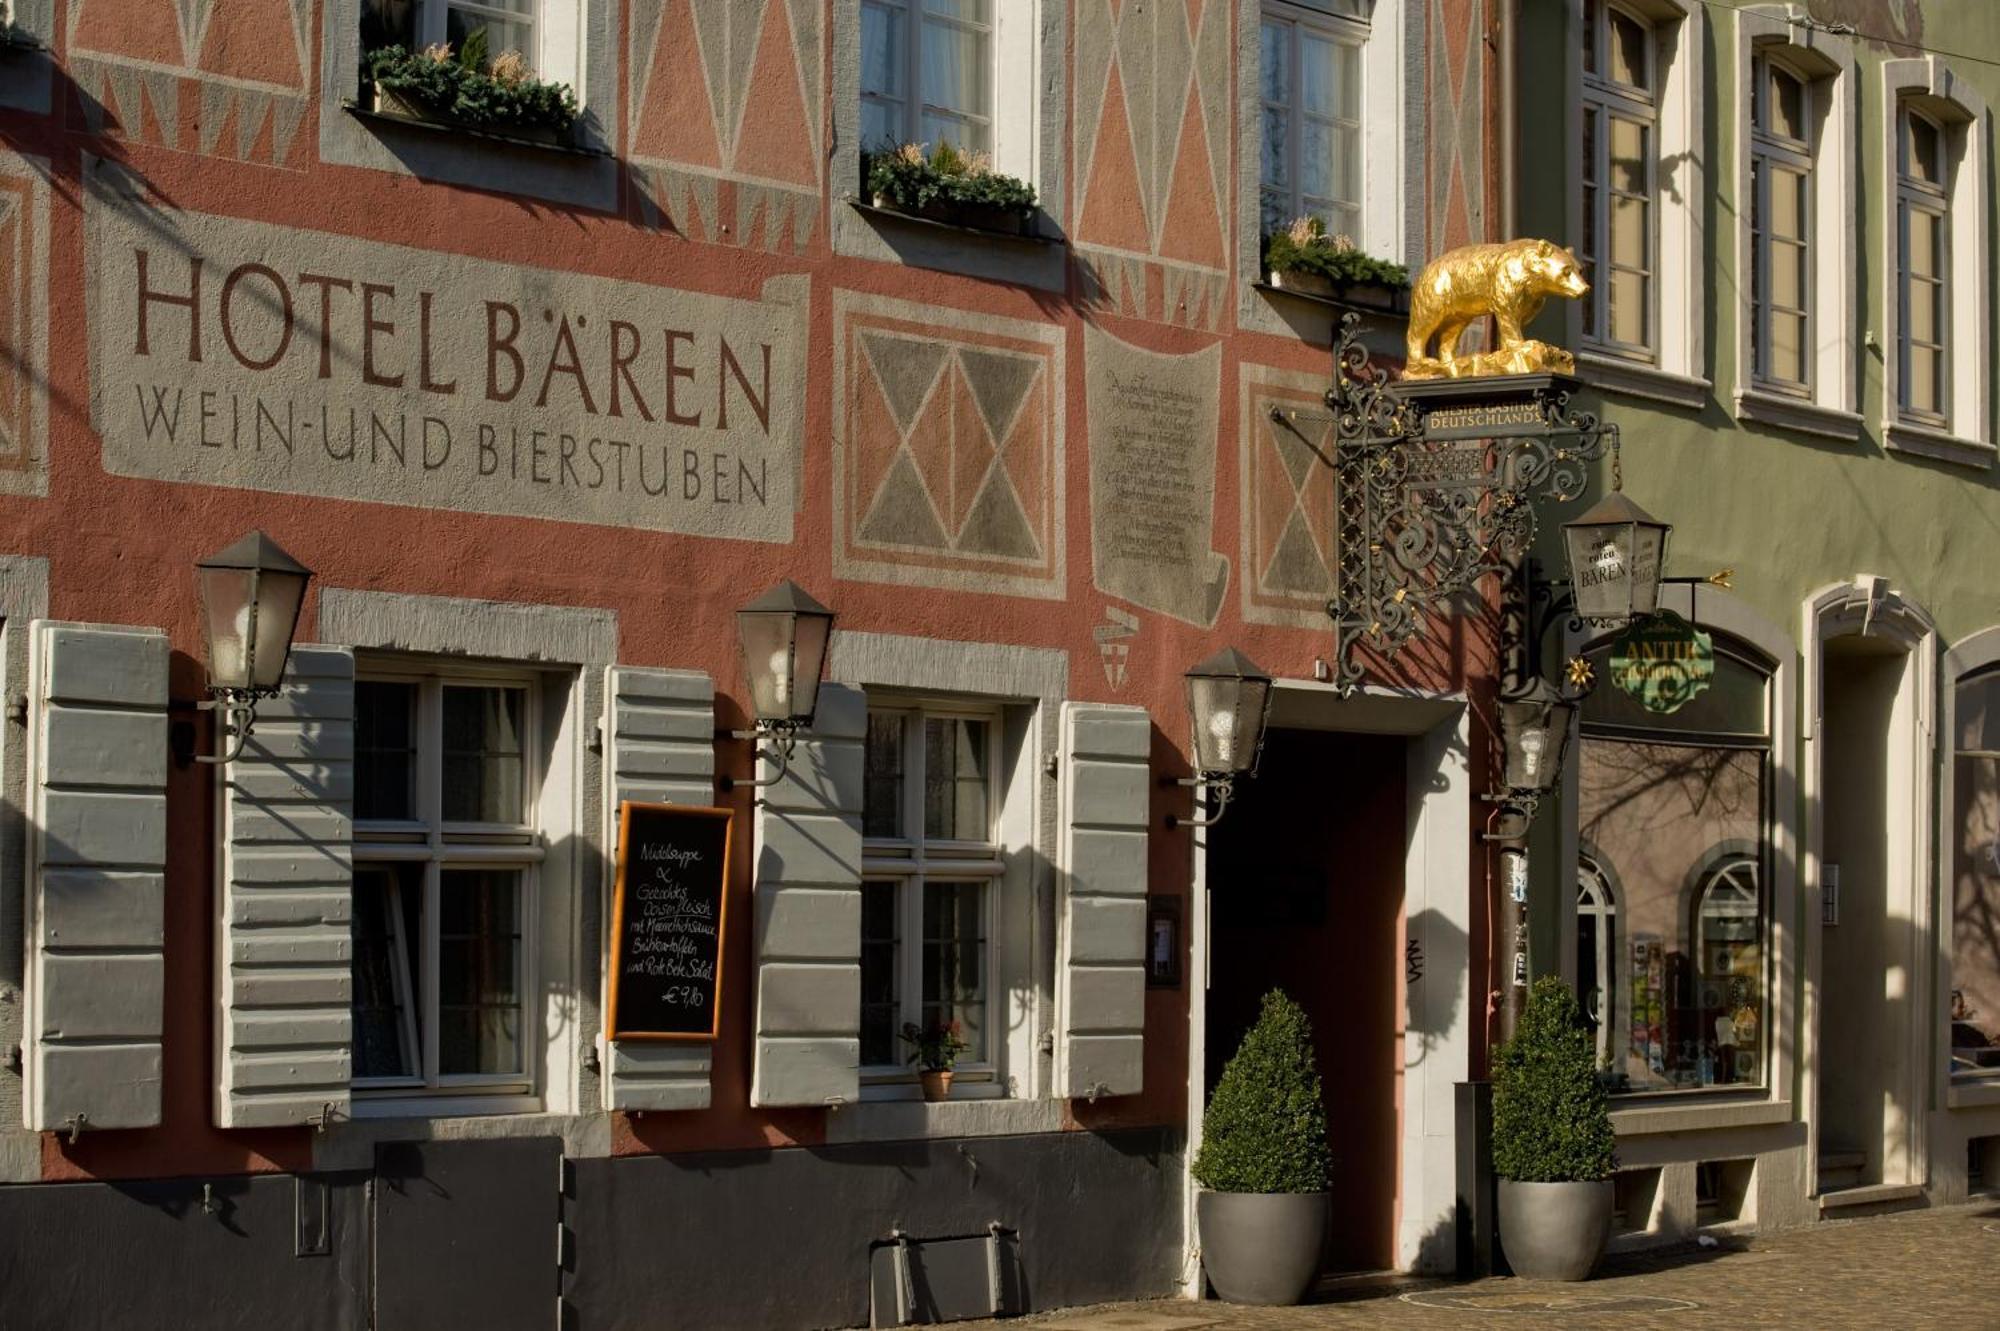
(1553, 1146)
(949, 185)
(499, 96)
(1262, 1212)
(1304, 258)
(933, 1050)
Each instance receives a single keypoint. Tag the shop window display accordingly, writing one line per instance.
(1975, 916)
(1675, 808)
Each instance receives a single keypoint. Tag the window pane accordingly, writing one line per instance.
(967, 135)
(1628, 309)
(953, 70)
(1921, 157)
(1922, 384)
(1320, 67)
(1628, 232)
(1975, 915)
(1788, 204)
(1592, 18)
(1628, 50)
(1788, 357)
(1923, 312)
(483, 756)
(1787, 106)
(1275, 61)
(388, 23)
(1681, 829)
(954, 962)
(1924, 229)
(972, 11)
(955, 779)
(882, 782)
(1978, 712)
(1788, 290)
(385, 756)
(1276, 163)
(388, 901)
(1316, 149)
(882, 50)
(1274, 210)
(501, 34)
(881, 125)
(479, 954)
(881, 1003)
(1628, 156)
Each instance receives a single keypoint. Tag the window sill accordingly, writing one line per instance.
(350, 1142)
(1645, 1119)
(1938, 445)
(384, 120)
(1399, 311)
(1797, 413)
(863, 231)
(432, 1107)
(915, 1120)
(1613, 374)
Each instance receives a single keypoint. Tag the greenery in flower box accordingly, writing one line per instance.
(1304, 247)
(1265, 1130)
(944, 179)
(1551, 1117)
(466, 87)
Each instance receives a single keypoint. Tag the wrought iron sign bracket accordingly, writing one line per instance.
(1435, 486)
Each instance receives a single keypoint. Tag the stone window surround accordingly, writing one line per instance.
(571, 880)
(1035, 680)
(1974, 654)
(588, 180)
(1678, 374)
(1671, 1112)
(1968, 439)
(1827, 62)
(1030, 137)
(1392, 136)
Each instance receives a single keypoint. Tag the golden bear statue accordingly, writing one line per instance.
(1508, 281)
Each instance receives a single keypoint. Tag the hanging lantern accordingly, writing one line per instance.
(1616, 552)
(1229, 698)
(784, 636)
(251, 593)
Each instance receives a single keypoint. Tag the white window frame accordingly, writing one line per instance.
(1771, 151)
(1013, 35)
(1964, 434)
(1608, 100)
(1972, 1089)
(1831, 406)
(438, 845)
(1929, 199)
(557, 26)
(1343, 29)
(1674, 368)
(1596, 898)
(914, 102)
(911, 861)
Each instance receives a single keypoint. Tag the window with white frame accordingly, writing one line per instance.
(1781, 225)
(1923, 268)
(547, 40)
(927, 73)
(1309, 71)
(1597, 954)
(1974, 1000)
(446, 859)
(1619, 248)
(932, 868)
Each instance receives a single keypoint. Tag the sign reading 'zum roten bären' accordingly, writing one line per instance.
(227, 352)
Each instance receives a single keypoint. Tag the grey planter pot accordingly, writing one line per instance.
(1261, 1247)
(1554, 1231)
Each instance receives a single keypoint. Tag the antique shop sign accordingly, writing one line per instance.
(1152, 476)
(1663, 662)
(667, 915)
(227, 352)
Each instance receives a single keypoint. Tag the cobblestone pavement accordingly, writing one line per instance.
(1915, 1270)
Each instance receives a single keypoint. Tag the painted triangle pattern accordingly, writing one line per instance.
(730, 93)
(1288, 501)
(1455, 156)
(947, 452)
(222, 78)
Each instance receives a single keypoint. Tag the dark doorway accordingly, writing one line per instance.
(1305, 881)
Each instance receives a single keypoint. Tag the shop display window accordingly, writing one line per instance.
(1975, 901)
(1673, 911)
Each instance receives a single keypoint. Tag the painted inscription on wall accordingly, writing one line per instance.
(1152, 476)
(235, 353)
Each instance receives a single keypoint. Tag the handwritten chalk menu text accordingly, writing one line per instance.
(667, 922)
(237, 353)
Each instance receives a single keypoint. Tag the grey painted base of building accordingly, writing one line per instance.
(503, 1234)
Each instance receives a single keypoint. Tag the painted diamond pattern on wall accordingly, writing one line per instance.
(226, 78)
(1288, 500)
(725, 119)
(947, 444)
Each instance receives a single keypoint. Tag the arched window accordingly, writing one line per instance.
(1597, 953)
(1975, 900)
(1674, 794)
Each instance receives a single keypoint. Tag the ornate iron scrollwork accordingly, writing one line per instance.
(1435, 487)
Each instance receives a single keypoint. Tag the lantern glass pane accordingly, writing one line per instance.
(1601, 568)
(1649, 541)
(1535, 734)
(808, 659)
(225, 621)
(1224, 722)
(279, 596)
(767, 662)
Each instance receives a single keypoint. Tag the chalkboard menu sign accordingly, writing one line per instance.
(667, 918)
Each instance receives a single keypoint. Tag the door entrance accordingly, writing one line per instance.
(1305, 891)
(1864, 981)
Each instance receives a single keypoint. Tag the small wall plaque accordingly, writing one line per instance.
(1163, 942)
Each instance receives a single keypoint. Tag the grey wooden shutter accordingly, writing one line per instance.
(660, 749)
(1100, 971)
(284, 954)
(809, 914)
(97, 789)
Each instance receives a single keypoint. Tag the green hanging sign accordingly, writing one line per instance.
(1663, 662)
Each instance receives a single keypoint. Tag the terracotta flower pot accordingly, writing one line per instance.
(936, 1083)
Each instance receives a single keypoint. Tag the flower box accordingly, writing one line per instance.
(977, 216)
(388, 102)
